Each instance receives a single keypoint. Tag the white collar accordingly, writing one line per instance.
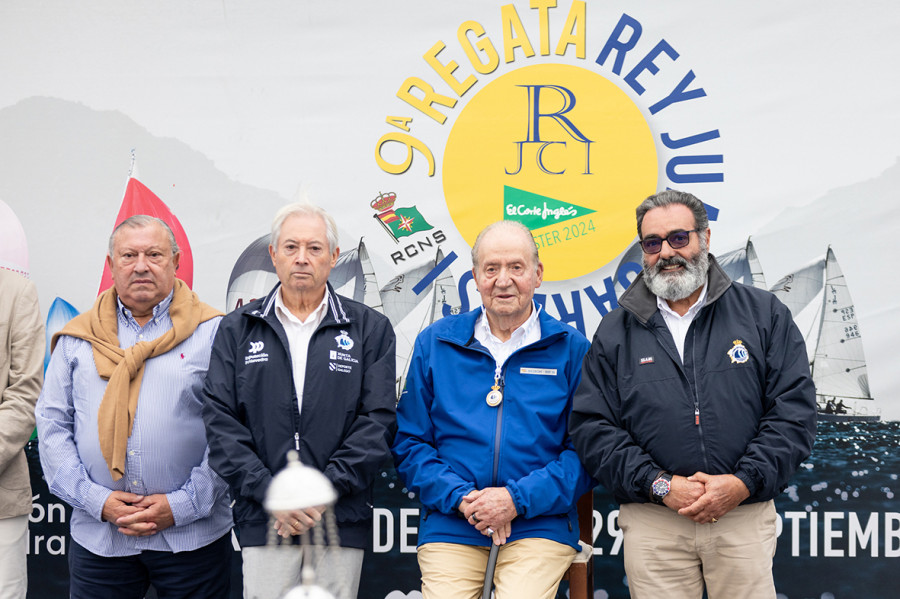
(314, 316)
(663, 306)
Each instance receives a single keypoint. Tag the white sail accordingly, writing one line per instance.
(798, 289)
(399, 297)
(253, 275)
(446, 299)
(839, 364)
(444, 302)
(742, 266)
(353, 276)
(371, 297)
(757, 279)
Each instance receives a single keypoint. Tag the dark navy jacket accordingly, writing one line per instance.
(742, 402)
(345, 428)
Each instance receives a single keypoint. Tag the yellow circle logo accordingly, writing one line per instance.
(560, 149)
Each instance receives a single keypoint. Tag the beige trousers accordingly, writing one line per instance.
(672, 556)
(13, 547)
(526, 569)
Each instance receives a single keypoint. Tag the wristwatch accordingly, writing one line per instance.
(660, 487)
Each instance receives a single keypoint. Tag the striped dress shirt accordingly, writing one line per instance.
(167, 450)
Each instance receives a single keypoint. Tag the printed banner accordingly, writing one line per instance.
(417, 124)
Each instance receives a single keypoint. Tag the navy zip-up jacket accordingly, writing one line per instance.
(345, 428)
(741, 403)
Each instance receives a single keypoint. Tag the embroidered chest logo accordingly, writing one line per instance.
(647, 360)
(344, 341)
(254, 353)
(738, 353)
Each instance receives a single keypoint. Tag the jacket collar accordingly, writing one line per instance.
(336, 312)
(461, 330)
(638, 299)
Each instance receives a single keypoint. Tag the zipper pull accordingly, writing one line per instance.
(297, 441)
(697, 415)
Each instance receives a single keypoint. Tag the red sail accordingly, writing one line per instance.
(140, 200)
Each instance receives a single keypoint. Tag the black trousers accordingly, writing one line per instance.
(204, 573)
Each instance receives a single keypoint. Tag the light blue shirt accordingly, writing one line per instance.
(167, 450)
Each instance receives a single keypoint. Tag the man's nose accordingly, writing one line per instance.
(666, 251)
(141, 264)
(302, 256)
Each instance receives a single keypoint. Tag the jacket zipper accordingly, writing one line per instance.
(694, 389)
(696, 393)
(499, 428)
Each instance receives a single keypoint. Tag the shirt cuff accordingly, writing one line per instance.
(95, 500)
(182, 508)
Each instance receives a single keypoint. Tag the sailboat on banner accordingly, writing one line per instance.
(404, 294)
(253, 276)
(138, 199)
(743, 266)
(837, 360)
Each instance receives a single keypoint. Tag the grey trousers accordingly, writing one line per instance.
(270, 572)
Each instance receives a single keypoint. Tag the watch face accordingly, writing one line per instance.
(661, 487)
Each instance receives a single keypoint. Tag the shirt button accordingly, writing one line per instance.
(134, 482)
(131, 452)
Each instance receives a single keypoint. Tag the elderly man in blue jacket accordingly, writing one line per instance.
(482, 433)
(695, 408)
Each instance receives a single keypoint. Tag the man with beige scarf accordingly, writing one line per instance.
(121, 436)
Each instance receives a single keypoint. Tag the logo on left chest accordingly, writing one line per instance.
(344, 341)
(738, 353)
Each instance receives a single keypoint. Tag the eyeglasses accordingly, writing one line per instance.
(677, 240)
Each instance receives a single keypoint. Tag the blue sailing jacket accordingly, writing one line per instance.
(450, 441)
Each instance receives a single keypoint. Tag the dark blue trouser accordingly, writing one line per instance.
(204, 573)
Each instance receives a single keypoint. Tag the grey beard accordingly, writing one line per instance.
(678, 285)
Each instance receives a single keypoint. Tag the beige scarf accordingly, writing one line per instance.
(124, 368)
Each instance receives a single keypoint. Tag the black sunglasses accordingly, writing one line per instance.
(677, 240)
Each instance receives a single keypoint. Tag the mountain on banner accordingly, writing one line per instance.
(140, 200)
(536, 211)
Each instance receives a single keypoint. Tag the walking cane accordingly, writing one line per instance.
(489, 571)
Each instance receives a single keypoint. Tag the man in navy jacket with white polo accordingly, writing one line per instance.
(482, 433)
(304, 369)
(695, 408)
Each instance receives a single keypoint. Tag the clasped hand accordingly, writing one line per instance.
(705, 498)
(138, 515)
(297, 522)
(490, 511)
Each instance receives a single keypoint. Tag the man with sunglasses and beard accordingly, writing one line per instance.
(695, 408)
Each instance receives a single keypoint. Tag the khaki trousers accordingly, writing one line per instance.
(672, 556)
(526, 569)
